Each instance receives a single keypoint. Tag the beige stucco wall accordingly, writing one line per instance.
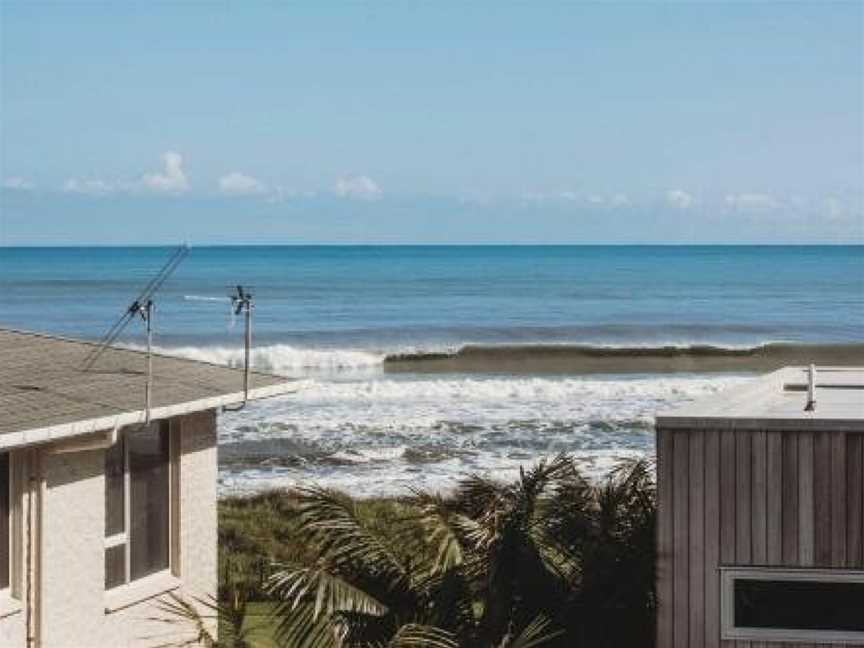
(71, 574)
(12, 629)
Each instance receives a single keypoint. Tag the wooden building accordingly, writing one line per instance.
(761, 515)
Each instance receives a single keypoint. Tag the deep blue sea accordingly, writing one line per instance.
(339, 317)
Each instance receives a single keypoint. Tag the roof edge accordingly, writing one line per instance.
(143, 352)
(21, 438)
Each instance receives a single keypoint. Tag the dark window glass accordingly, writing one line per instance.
(799, 605)
(115, 566)
(148, 507)
(114, 489)
(4, 520)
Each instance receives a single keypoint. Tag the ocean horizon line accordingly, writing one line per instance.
(159, 246)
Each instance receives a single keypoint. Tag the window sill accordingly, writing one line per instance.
(8, 605)
(140, 590)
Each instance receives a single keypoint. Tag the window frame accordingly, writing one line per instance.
(729, 631)
(125, 537)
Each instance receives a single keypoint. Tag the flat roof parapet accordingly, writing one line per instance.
(778, 401)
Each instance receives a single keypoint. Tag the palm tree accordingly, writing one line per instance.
(198, 619)
(548, 559)
(492, 565)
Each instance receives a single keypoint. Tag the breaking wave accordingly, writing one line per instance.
(533, 359)
(282, 358)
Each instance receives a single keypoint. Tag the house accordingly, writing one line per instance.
(761, 514)
(101, 511)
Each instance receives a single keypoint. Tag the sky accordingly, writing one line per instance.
(445, 122)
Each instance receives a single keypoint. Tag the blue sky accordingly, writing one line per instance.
(434, 122)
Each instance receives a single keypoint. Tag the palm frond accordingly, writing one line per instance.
(534, 481)
(299, 628)
(326, 592)
(476, 494)
(413, 635)
(444, 531)
(344, 542)
(534, 634)
(190, 624)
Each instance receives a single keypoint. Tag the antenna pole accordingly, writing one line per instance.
(243, 302)
(248, 306)
(147, 314)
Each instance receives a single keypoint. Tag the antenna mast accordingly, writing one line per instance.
(144, 307)
(243, 302)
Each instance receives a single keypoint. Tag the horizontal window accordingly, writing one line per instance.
(819, 605)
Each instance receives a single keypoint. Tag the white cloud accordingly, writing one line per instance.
(680, 199)
(93, 187)
(533, 198)
(360, 187)
(280, 194)
(613, 200)
(240, 184)
(619, 200)
(19, 184)
(753, 201)
(171, 180)
(835, 208)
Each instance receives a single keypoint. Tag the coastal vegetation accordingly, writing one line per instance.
(548, 559)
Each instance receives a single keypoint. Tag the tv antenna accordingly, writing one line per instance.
(242, 302)
(143, 307)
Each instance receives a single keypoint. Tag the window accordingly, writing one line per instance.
(5, 522)
(814, 605)
(137, 504)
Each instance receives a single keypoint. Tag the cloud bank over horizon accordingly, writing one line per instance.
(571, 122)
(356, 210)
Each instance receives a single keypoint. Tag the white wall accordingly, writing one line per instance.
(71, 575)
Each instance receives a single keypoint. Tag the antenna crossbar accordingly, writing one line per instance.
(137, 307)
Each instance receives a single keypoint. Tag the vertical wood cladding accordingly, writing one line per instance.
(749, 498)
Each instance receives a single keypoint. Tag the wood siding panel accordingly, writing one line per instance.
(855, 500)
(743, 488)
(805, 506)
(727, 500)
(774, 530)
(759, 503)
(712, 539)
(743, 473)
(697, 540)
(728, 460)
(790, 499)
(665, 535)
(759, 499)
(822, 499)
(838, 499)
(681, 521)
(805, 499)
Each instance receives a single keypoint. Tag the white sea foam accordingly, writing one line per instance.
(282, 358)
(354, 427)
(380, 435)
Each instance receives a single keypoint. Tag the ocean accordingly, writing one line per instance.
(423, 364)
